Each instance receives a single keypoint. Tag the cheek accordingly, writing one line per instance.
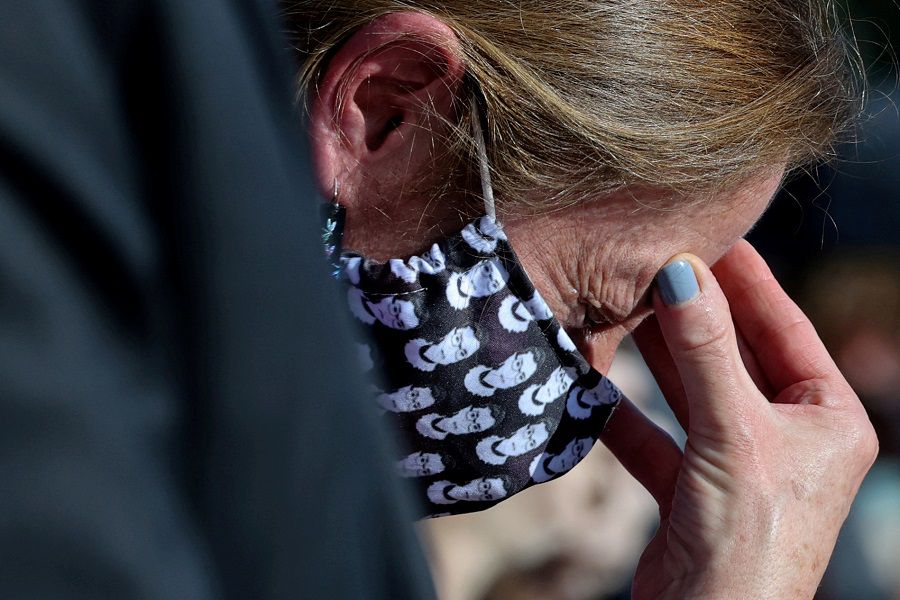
(599, 349)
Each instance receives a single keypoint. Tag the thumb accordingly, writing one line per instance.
(695, 320)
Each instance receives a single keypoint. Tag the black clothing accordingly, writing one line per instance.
(177, 414)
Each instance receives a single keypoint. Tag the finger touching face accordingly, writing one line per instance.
(595, 262)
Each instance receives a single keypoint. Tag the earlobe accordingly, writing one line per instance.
(394, 78)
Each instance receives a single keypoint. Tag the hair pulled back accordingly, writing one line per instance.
(586, 96)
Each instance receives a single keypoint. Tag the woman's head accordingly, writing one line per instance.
(586, 96)
(619, 132)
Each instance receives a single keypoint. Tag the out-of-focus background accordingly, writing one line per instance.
(833, 239)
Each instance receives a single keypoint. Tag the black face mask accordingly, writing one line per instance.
(485, 389)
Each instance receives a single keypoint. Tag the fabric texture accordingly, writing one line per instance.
(488, 392)
(171, 426)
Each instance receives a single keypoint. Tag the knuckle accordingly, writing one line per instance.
(709, 336)
(862, 441)
(867, 445)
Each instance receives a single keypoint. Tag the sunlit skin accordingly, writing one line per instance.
(603, 255)
(777, 442)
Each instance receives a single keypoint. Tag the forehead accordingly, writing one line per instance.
(605, 252)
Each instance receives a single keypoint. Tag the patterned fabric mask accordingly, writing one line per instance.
(487, 392)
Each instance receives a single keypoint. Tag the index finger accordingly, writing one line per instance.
(781, 337)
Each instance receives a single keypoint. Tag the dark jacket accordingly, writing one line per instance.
(179, 411)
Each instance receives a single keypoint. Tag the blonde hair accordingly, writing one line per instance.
(586, 96)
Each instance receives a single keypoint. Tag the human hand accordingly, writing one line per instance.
(777, 441)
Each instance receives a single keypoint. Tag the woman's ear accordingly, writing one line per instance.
(382, 101)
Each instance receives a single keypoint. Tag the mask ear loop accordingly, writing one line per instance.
(487, 191)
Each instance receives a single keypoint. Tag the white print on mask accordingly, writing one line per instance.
(564, 341)
(457, 345)
(514, 316)
(484, 381)
(536, 397)
(484, 279)
(469, 420)
(495, 450)
(406, 399)
(477, 490)
(482, 235)
(581, 401)
(431, 263)
(420, 464)
(538, 308)
(547, 466)
(351, 269)
(390, 311)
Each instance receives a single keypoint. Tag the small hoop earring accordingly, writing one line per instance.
(335, 189)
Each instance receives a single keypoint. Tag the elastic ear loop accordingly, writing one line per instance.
(487, 191)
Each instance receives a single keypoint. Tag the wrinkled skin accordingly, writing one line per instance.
(778, 443)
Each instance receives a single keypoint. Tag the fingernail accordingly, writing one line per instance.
(677, 283)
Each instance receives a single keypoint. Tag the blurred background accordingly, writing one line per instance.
(833, 239)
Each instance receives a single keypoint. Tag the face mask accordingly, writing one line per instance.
(487, 392)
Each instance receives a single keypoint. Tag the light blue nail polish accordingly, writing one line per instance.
(677, 283)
